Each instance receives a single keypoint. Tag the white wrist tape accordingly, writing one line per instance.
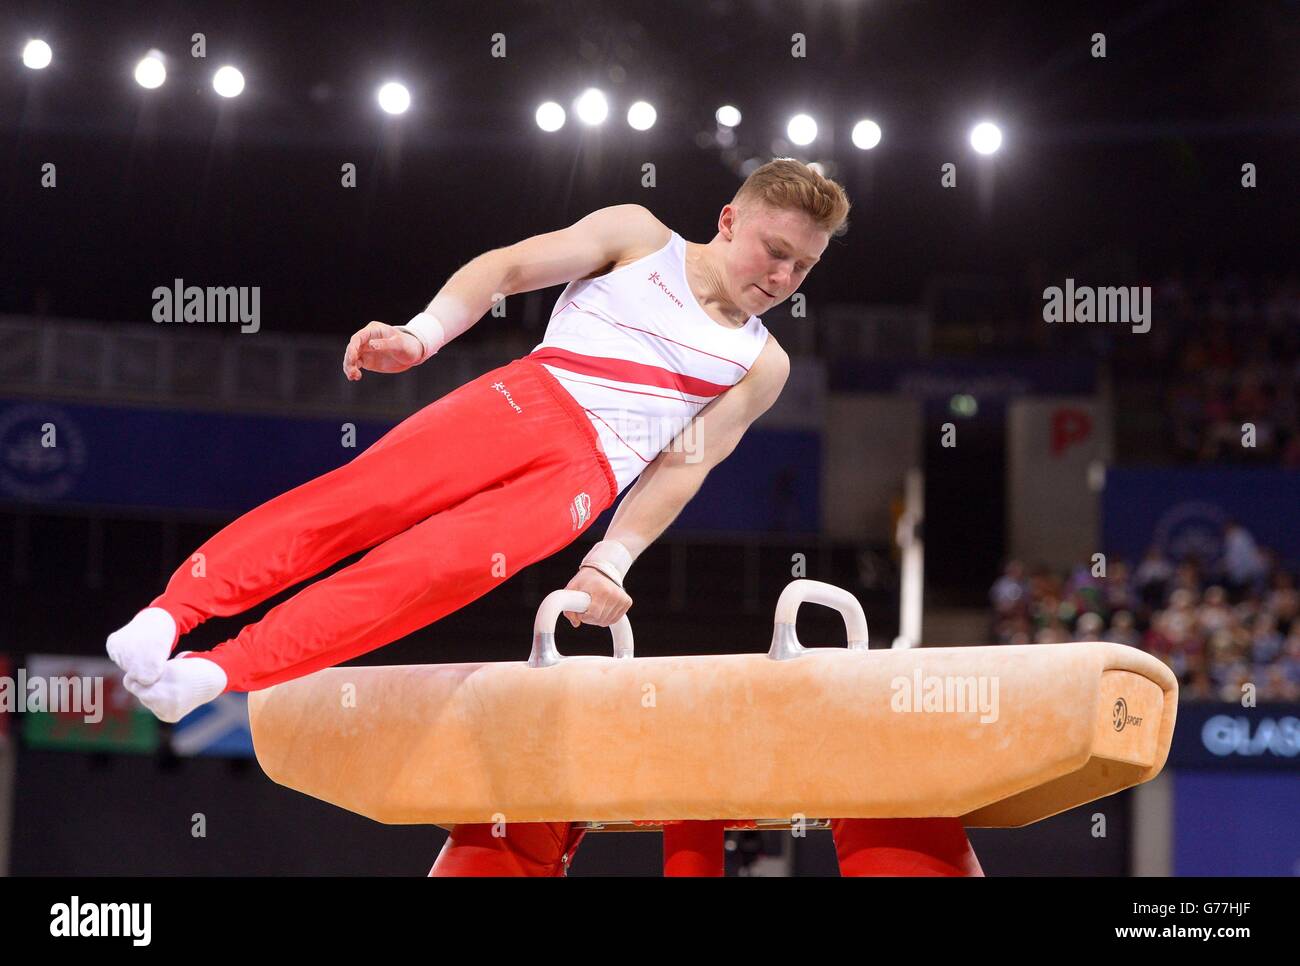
(611, 558)
(429, 331)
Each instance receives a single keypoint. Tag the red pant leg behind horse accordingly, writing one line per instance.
(904, 846)
(863, 846)
(547, 849)
(518, 849)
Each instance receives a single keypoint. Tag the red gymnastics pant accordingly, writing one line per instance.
(454, 500)
(863, 846)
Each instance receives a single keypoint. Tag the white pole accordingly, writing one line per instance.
(912, 580)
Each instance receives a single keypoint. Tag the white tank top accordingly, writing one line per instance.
(641, 357)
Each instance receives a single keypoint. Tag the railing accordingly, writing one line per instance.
(190, 365)
(852, 331)
(218, 370)
(681, 566)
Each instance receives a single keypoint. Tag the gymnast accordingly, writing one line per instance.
(513, 466)
(651, 331)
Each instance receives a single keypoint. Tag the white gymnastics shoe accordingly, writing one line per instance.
(142, 647)
(186, 683)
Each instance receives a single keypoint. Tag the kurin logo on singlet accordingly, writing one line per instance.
(580, 510)
(654, 277)
(501, 388)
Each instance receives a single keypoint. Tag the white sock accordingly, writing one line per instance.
(186, 683)
(142, 647)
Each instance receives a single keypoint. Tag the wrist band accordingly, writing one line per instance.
(611, 558)
(428, 330)
(605, 569)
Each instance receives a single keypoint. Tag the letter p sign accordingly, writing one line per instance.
(1069, 426)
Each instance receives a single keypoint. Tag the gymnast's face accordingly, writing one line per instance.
(771, 253)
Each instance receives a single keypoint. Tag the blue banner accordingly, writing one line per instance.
(1236, 824)
(1183, 510)
(1236, 794)
(75, 454)
(770, 483)
(1230, 737)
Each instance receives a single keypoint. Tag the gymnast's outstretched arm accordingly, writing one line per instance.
(668, 483)
(603, 237)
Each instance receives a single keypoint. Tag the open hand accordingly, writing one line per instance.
(380, 347)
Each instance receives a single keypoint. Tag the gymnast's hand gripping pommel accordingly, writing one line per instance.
(601, 575)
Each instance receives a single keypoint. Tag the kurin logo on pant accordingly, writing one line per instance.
(501, 388)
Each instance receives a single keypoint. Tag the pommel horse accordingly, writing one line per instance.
(906, 747)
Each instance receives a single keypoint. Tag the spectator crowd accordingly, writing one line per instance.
(1228, 356)
(1219, 628)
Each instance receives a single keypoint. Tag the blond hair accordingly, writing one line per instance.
(785, 183)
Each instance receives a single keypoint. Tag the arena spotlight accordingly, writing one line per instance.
(394, 98)
(727, 116)
(150, 72)
(37, 54)
(641, 116)
(550, 116)
(228, 82)
(802, 130)
(985, 137)
(866, 134)
(592, 107)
